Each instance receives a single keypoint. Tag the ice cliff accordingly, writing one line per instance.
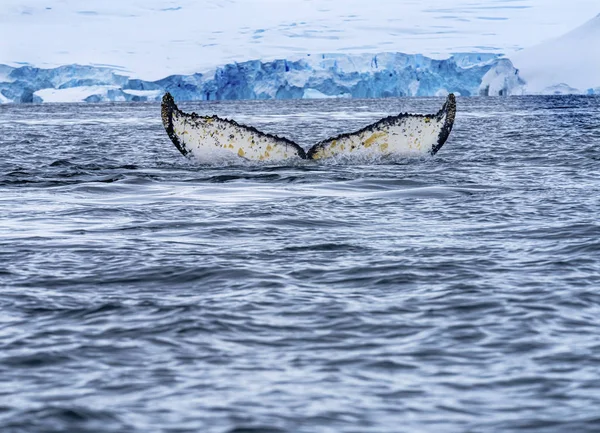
(502, 80)
(134, 47)
(334, 75)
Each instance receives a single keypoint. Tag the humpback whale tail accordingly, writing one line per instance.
(207, 137)
(404, 134)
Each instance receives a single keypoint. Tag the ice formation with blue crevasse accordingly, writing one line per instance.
(329, 75)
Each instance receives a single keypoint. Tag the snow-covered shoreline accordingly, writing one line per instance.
(563, 65)
(332, 75)
(153, 39)
(567, 64)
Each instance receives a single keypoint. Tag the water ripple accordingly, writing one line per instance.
(143, 292)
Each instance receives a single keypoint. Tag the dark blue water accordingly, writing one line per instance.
(143, 293)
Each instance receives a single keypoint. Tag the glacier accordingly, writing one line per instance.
(568, 64)
(59, 52)
(153, 39)
(564, 65)
(327, 75)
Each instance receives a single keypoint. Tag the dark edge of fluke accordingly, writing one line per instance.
(168, 107)
(449, 109)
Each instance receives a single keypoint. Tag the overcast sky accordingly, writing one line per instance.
(154, 38)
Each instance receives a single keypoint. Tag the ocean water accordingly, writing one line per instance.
(140, 292)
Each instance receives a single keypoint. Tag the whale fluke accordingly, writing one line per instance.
(208, 137)
(405, 134)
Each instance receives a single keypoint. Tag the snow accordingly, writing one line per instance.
(5, 74)
(149, 94)
(132, 50)
(74, 94)
(567, 64)
(152, 39)
(315, 94)
(413, 87)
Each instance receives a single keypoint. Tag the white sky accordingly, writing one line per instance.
(155, 38)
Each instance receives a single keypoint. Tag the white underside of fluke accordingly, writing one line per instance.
(407, 136)
(210, 139)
